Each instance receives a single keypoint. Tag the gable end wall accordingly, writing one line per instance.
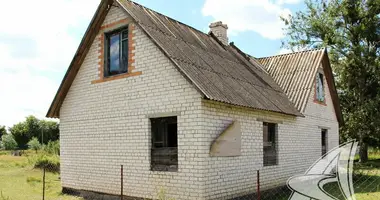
(105, 125)
(323, 114)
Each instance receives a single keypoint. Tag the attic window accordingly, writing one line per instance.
(117, 52)
(320, 91)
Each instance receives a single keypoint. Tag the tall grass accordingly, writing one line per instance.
(2, 197)
(48, 162)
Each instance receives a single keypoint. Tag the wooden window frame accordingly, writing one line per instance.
(107, 36)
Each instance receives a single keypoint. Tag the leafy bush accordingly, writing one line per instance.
(34, 144)
(52, 147)
(8, 142)
(51, 163)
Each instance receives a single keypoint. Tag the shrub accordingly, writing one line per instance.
(52, 147)
(34, 144)
(8, 142)
(51, 163)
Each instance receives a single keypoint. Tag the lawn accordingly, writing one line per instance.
(19, 181)
(367, 178)
(366, 181)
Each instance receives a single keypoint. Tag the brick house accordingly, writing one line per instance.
(187, 111)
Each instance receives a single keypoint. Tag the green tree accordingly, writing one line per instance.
(351, 31)
(34, 144)
(3, 131)
(49, 131)
(43, 130)
(20, 133)
(8, 142)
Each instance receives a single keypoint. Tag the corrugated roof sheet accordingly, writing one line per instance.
(220, 72)
(295, 73)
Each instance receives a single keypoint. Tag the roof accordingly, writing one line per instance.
(221, 73)
(295, 74)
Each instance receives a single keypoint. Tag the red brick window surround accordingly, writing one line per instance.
(319, 89)
(102, 53)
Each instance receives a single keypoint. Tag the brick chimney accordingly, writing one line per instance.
(220, 31)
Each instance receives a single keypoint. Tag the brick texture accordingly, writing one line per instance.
(106, 125)
(110, 25)
(299, 146)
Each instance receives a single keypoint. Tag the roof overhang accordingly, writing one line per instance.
(332, 89)
(79, 56)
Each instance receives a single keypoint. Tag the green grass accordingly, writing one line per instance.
(366, 179)
(20, 181)
(366, 182)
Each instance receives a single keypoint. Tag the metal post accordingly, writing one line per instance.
(43, 184)
(258, 185)
(121, 183)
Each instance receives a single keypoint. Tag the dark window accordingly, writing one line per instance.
(117, 52)
(320, 90)
(164, 152)
(324, 141)
(270, 144)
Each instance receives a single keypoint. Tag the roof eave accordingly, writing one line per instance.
(333, 92)
(82, 50)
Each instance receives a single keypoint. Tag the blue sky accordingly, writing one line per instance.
(39, 39)
(250, 41)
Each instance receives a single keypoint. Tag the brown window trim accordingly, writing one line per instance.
(115, 77)
(101, 51)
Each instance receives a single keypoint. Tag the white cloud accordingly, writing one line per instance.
(280, 2)
(37, 43)
(261, 16)
(284, 51)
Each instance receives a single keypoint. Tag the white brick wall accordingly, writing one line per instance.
(299, 146)
(324, 116)
(107, 124)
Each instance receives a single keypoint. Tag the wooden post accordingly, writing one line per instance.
(121, 183)
(258, 185)
(43, 184)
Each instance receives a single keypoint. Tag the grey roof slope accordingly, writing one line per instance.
(221, 73)
(295, 73)
(218, 72)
